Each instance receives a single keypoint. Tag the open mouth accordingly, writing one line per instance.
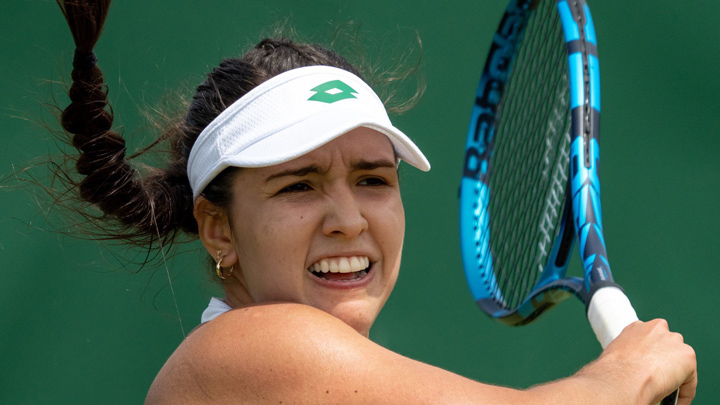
(342, 268)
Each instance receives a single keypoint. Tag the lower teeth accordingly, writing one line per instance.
(360, 274)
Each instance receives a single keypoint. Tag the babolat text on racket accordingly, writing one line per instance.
(530, 185)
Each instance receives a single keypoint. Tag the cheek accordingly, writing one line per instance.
(398, 215)
(272, 248)
(390, 237)
(391, 233)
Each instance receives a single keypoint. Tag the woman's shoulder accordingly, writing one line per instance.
(292, 353)
(249, 350)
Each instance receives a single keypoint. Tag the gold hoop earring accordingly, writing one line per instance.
(219, 269)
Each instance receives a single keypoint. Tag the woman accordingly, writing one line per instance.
(286, 168)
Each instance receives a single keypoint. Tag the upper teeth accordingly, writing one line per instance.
(341, 264)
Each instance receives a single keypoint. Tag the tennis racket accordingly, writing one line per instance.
(530, 187)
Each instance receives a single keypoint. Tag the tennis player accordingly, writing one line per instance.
(285, 167)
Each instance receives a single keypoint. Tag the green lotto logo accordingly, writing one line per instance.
(332, 91)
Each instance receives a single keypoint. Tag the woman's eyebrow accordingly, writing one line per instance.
(371, 165)
(315, 169)
(299, 172)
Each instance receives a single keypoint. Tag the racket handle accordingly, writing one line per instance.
(609, 312)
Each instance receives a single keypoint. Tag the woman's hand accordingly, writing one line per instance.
(644, 364)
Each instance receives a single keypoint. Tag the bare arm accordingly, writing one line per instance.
(288, 353)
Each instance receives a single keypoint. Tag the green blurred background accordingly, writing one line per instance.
(79, 324)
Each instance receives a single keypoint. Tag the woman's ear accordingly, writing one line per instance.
(215, 231)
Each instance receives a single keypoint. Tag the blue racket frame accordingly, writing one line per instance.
(582, 214)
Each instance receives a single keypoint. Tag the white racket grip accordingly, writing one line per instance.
(609, 312)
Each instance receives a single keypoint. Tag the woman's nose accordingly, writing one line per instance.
(344, 216)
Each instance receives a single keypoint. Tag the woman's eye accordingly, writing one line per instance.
(372, 181)
(295, 188)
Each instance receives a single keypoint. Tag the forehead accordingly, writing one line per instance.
(360, 144)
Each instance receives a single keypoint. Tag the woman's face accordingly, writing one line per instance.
(325, 229)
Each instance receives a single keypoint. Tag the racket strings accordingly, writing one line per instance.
(528, 169)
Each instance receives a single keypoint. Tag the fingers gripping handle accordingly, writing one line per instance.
(609, 312)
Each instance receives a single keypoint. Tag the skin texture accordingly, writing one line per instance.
(292, 339)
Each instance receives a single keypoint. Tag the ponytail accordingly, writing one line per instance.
(142, 207)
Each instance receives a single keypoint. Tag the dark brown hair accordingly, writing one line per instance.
(158, 205)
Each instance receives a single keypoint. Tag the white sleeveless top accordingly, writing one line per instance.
(215, 308)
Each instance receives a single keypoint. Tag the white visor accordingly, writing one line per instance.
(288, 116)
